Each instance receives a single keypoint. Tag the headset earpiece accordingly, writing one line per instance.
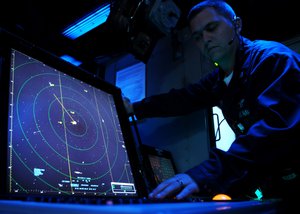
(234, 22)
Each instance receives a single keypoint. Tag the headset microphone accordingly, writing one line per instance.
(234, 24)
(231, 41)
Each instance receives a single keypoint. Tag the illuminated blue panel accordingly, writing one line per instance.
(71, 60)
(132, 81)
(87, 23)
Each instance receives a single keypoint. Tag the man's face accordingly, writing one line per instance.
(214, 35)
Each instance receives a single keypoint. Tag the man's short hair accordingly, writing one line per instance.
(220, 6)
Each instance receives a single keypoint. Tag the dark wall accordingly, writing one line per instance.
(187, 137)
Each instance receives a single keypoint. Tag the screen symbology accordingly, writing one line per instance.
(64, 134)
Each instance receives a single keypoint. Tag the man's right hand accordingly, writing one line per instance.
(180, 186)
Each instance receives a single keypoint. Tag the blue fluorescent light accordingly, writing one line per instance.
(87, 23)
(71, 60)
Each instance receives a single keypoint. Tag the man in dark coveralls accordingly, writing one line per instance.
(257, 86)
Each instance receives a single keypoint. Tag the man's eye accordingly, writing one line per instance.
(212, 27)
(197, 36)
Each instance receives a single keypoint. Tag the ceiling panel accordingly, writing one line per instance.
(43, 21)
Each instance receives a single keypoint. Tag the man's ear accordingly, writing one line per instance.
(237, 22)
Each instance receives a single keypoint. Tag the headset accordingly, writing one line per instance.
(235, 24)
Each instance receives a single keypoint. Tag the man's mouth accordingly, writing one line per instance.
(211, 48)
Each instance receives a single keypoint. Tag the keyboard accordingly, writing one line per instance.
(102, 201)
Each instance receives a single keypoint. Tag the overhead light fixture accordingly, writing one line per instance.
(71, 60)
(88, 22)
